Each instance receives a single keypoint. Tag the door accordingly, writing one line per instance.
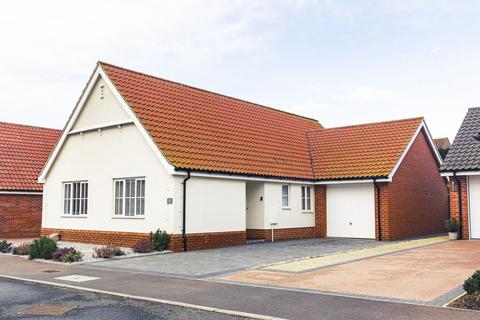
(474, 198)
(351, 210)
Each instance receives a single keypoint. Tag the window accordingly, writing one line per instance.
(285, 196)
(130, 197)
(75, 198)
(306, 198)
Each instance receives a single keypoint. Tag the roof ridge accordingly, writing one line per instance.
(369, 123)
(28, 125)
(208, 91)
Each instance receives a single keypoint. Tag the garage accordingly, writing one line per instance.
(351, 210)
(474, 187)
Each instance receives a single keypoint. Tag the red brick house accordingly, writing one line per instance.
(140, 153)
(462, 167)
(23, 152)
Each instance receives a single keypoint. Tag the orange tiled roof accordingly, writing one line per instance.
(23, 152)
(201, 130)
(360, 151)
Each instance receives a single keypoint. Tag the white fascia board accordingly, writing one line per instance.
(352, 181)
(240, 177)
(460, 173)
(409, 145)
(98, 72)
(156, 150)
(101, 126)
(32, 193)
(71, 120)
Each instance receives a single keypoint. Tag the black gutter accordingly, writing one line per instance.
(460, 209)
(185, 211)
(379, 216)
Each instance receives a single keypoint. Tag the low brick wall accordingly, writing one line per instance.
(281, 234)
(20, 216)
(195, 241)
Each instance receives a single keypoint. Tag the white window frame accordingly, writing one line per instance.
(287, 196)
(306, 198)
(71, 200)
(136, 199)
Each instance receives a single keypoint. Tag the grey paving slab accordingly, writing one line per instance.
(207, 263)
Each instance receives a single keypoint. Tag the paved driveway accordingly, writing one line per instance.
(214, 262)
(429, 275)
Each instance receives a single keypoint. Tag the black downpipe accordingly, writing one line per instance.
(460, 209)
(184, 236)
(379, 216)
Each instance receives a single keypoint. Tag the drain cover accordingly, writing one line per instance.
(46, 310)
(50, 271)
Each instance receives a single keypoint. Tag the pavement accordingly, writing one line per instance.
(431, 274)
(214, 262)
(23, 300)
(223, 297)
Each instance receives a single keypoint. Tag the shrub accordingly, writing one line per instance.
(143, 246)
(42, 248)
(22, 249)
(452, 225)
(160, 240)
(107, 252)
(472, 284)
(5, 246)
(67, 255)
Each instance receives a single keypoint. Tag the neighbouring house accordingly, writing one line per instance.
(462, 167)
(140, 153)
(23, 152)
(443, 145)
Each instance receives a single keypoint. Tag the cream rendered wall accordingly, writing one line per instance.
(255, 205)
(293, 217)
(213, 205)
(100, 157)
(97, 111)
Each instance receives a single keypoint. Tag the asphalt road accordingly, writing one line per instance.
(17, 296)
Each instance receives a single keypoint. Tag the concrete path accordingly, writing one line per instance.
(431, 274)
(214, 262)
(265, 301)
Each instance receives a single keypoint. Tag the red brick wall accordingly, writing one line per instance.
(417, 196)
(195, 241)
(281, 234)
(20, 216)
(320, 211)
(384, 204)
(454, 203)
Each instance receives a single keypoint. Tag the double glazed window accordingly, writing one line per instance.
(285, 196)
(306, 198)
(75, 198)
(130, 197)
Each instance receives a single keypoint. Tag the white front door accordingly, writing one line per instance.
(474, 197)
(351, 210)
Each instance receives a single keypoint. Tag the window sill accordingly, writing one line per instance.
(307, 212)
(286, 208)
(127, 217)
(83, 216)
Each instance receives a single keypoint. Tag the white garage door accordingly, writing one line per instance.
(351, 211)
(474, 187)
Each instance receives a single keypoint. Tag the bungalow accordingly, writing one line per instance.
(462, 167)
(140, 153)
(23, 151)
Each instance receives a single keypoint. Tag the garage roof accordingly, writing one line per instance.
(23, 152)
(464, 154)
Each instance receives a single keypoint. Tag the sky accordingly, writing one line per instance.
(340, 62)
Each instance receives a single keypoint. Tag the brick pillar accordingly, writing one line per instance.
(454, 204)
(385, 229)
(320, 211)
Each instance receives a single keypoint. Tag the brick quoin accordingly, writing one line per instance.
(454, 203)
(20, 216)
